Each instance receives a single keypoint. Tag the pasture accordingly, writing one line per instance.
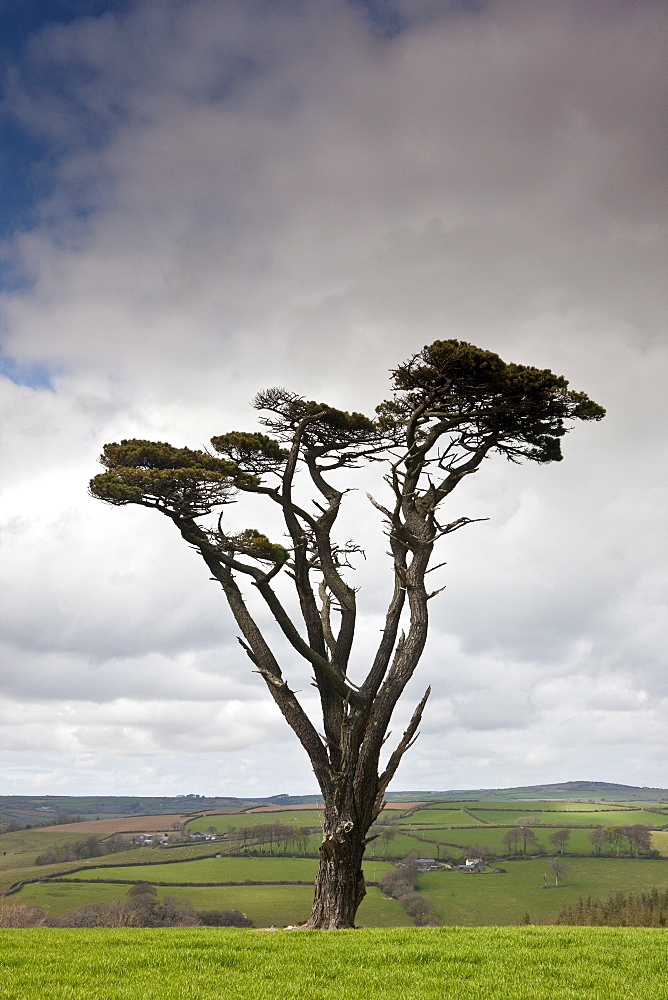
(235, 821)
(265, 905)
(457, 899)
(534, 963)
(441, 829)
(491, 898)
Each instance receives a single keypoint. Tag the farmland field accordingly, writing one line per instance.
(660, 841)
(235, 821)
(456, 898)
(224, 869)
(446, 817)
(475, 900)
(265, 905)
(560, 805)
(492, 837)
(559, 963)
(508, 816)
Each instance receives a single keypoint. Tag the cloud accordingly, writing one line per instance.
(237, 196)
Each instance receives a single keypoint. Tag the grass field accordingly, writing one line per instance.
(225, 870)
(437, 817)
(509, 816)
(492, 837)
(660, 841)
(235, 821)
(265, 905)
(543, 806)
(477, 900)
(457, 899)
(614, 817)
(400, 964)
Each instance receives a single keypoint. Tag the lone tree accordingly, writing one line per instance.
(558, 869)
(453, 405)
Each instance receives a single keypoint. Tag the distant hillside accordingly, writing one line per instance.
(41, 809)
(47, 809)
(586, 791)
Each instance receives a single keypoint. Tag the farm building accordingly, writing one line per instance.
(426, 864)
(473, 866)
(149, 839)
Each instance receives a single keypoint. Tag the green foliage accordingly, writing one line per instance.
(256, 453)
(142, 889)
(88, 847)
(156, 474)
(518, 410)
(644, 909)
(400, 883)
(324, 427)
(256, 545)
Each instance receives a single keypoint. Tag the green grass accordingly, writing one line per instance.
(660, 841)
(457, 899)
(22, 847)
(561, 805)
(449, 825)
(264, 904)
(614, 817)
(212, 870)
(492, 837)
(476, 900)
(563, 963)
(236, 821)
(225, 869)
(439, 817)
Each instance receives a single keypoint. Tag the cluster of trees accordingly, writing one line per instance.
(141, 908)
(79, 850)
(637, 836)
(401, 884)
(522, 839)
(278, 838)
(645, 909)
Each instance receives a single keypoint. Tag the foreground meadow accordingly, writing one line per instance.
(532, 963)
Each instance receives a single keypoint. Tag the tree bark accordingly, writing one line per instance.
(339, 884)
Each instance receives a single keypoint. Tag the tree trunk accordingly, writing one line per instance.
(339, 884)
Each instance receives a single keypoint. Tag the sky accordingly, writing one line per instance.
(199, 200)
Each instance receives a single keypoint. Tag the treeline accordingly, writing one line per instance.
(277, 838)
(644, 909)
(141, 908)
(637, 836)
(630, 839)
(401, 884)
(79, 850)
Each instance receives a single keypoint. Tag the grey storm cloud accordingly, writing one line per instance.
(244, 195)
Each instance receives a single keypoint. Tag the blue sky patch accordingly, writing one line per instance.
(34, 376)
